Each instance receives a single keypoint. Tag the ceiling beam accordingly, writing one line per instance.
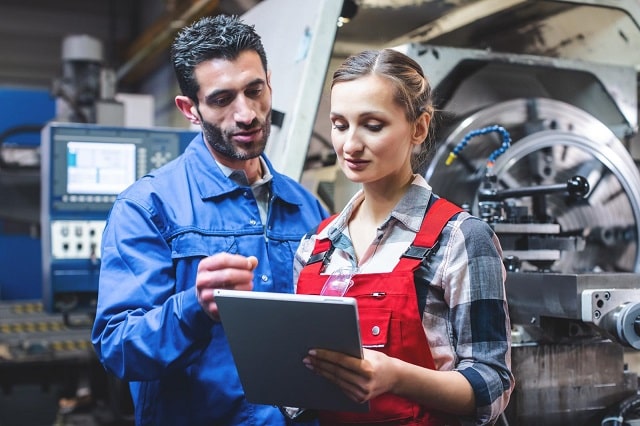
(144, 52)
(457, 18)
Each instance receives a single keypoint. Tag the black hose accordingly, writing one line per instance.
(616, 415)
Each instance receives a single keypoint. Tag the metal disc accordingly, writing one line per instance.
(552, 141)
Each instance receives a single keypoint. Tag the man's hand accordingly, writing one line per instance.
(223, 270)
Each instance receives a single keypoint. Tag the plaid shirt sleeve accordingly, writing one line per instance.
(466, 316)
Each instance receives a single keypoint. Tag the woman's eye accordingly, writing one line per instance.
(374, 127)
(339, 126)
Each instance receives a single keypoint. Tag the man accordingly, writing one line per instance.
(217, 216)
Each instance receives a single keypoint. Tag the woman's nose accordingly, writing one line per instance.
(352, 142)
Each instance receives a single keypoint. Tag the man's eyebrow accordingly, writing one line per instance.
(256, 81)
(213, 95)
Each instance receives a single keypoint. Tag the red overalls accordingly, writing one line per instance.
(389, 321)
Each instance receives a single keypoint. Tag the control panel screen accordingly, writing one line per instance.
(100, 168)
(86, 166)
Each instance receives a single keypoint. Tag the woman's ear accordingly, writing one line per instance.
(188, 109)
(421, 128)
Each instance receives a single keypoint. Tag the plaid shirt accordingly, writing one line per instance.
(465, 314)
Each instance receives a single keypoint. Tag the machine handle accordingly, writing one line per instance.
(577, 187)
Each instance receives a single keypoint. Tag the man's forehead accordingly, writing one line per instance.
(223, 74)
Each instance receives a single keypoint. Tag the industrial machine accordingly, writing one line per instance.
(45, 339)
(548, 169)
(84, 167)
(86, 91)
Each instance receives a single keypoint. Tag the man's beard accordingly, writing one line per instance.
(220, 141)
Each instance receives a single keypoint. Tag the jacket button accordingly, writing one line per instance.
(252, 222)
(265, 278)
(375, 330)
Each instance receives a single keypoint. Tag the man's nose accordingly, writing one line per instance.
(244, 112)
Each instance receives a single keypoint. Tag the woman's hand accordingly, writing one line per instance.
(375, 374)
(360, 379)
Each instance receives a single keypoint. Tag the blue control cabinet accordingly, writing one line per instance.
(23, 113)
(84, 168)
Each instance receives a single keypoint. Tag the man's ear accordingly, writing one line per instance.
(188, 109)
(269, 79)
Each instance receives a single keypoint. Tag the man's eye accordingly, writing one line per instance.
(254, 93)
(222, 101)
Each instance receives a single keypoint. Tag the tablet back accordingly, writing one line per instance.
(270, 333)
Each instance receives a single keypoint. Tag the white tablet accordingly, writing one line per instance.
(270, 333)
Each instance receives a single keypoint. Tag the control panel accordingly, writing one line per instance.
(83, 169)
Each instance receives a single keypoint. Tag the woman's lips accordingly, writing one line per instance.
(355, 164)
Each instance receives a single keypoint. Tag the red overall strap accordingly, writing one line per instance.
(322, 246)
(435, 220)
(325, 222)
(433, 223)
(437, 216)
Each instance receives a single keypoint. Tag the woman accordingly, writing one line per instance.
(434, 323)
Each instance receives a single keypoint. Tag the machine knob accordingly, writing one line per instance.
(578, 186)
(512, 263)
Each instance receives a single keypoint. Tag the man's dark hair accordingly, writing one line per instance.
(211, 37)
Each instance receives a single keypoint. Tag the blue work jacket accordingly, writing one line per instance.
(149, 329)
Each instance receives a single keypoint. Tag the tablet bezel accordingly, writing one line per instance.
(270, 333)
